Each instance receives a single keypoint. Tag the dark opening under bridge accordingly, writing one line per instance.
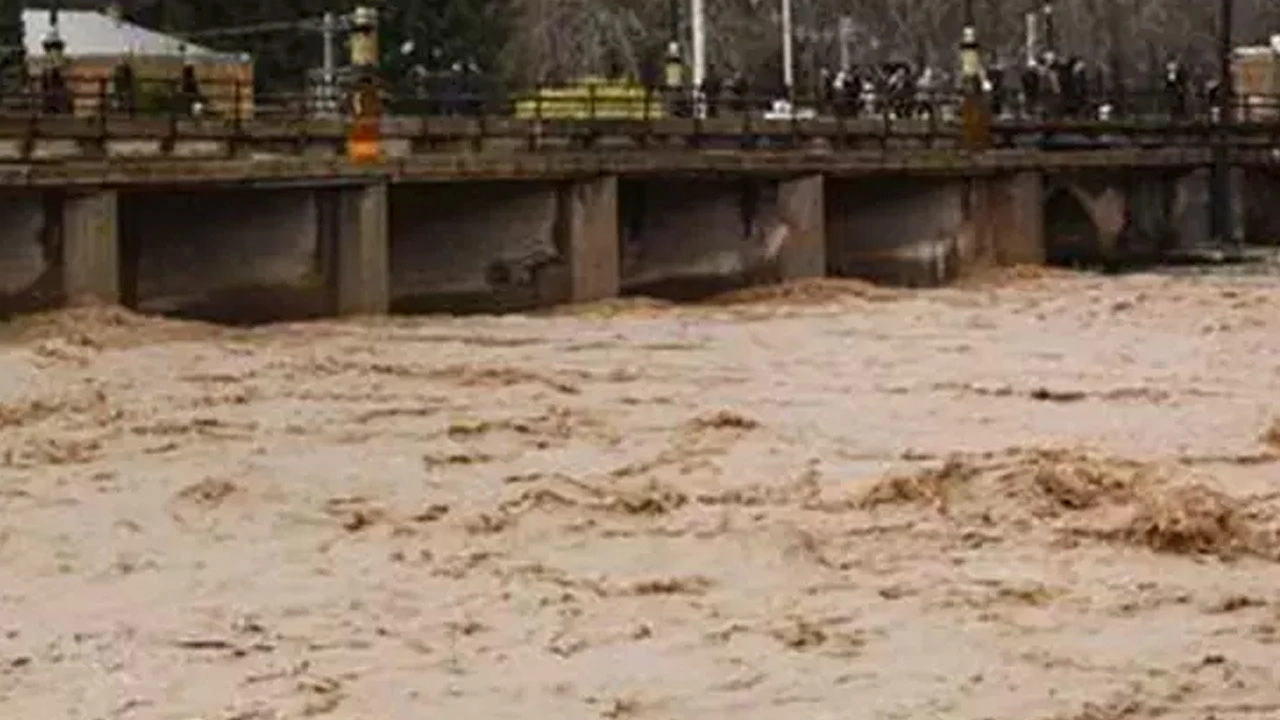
(263, 217)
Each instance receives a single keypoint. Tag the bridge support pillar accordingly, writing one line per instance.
(587, 236)
(90, 247)
(1015, 218)
(353, 230)
(801, 204)
(1260, 190)
(1190, 212)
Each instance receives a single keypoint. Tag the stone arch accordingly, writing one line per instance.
(1083, 227)
(1071, 236)
(30, 253)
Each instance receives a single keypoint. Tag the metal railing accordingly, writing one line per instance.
(589, 112)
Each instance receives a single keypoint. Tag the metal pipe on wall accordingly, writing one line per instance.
(788, 69)
(697, 12)
(1224, 230)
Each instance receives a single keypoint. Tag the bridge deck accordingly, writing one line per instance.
(440, 167)
(69, 151)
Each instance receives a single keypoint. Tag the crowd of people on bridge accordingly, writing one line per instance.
(1046, 87)
(1049, 86)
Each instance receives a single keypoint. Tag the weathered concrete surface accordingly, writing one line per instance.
(1085, 218)
(898, 231)
(355, 248)
(1016, 218)
(238, 255)
(684, 239)
(588, 238)
(1191, 213)
(28, 260)
(1260, 190)
(91, 247)
(469, 246)
(802, 206)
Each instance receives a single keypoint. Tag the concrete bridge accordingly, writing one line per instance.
(267, 222)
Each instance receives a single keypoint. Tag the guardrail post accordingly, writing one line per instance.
(795, 121)
(931, 109)
(236, 100)
(480, 102)
(175, 97)
(886, 125)
(102, 112)
(647, 115)
(694, 100)
(842, 127)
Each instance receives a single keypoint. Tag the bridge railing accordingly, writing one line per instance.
(586, 113)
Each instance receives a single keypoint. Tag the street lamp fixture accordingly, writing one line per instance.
(364, 139)
(53, 44)
(1050, 36)
(976, 124)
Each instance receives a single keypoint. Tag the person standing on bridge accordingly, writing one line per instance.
(190, 101)
(1175, 89)
(123, 87)
(738, 100)
(712, 88)
(673, 77)
(53, 83)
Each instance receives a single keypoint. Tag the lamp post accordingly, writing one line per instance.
(1050, 34)
(53, 45)
(53, 84)
(364, 142)
(788, 69)
(697, 25)
(973, 112)
(1222, 215)
(970, 61)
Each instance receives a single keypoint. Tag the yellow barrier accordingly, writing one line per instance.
(592, 98)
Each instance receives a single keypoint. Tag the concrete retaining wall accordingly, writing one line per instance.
(26, 255)
(469, 246)
(684, 238)
(898, 232)
(223, 254)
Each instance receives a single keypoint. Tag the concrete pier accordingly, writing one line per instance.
(368, 246)
(1017, 218)
(353, 233)
(90, 247)
(587, 236)
(802, 206)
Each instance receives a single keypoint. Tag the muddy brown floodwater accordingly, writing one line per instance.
(1037, 498)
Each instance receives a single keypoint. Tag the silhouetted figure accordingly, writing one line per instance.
(190, 101)
(1175, 90)
(673, 81)
(738, 92)
(123, 88)
(712, 88)
(999, 89)
(54, 90)
(1031, 89)
(1075, 87)
(1215, 96)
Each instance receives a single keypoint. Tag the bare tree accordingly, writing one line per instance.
(567, 38)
